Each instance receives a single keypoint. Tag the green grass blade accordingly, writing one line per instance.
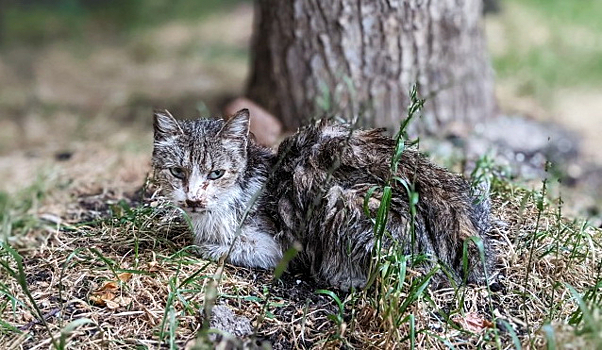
(334, 297)
(548, 331)
(513, 335)
(288, 256)
(587, 316)
(69, 328)
(367, 198)
(21, 278)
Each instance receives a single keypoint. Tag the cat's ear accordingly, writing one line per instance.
(237, 127)
(165, 125)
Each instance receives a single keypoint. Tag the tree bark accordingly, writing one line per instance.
(360, 57)
(3, 5)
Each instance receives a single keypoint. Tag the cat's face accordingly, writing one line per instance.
(198, 163)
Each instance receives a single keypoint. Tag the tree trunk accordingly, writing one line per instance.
(3, 5)
(360, 57)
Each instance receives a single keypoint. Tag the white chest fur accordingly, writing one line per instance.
(217, 232)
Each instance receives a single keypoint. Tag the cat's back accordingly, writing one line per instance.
(329, 176)
(335, 152)
(320, 161)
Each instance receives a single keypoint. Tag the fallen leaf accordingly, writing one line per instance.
(124, 277)
(98, 301)
(472, 322)
(153, 266)
(27, 316)
(110, 286)
(104, 295)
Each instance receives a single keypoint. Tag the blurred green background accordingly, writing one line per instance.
(30, 22)
(542, 51)
(551, 51)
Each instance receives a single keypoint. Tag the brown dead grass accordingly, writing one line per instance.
(82, 219)
(122, 262)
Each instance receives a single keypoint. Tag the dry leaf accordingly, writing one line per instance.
(110, 286)
(111, 304)
(104, 295)
(107, 296)
(98, 301)
(124, 277)
(26, 316)
(472, 322)
(153, 266)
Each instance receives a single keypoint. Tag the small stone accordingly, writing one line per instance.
(63, 156)
(223, 319)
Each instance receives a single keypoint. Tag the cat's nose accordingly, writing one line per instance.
(195, 204)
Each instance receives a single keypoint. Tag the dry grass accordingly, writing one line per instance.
(104, 268)
(123, 267)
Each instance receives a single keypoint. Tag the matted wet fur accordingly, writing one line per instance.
(314, 190)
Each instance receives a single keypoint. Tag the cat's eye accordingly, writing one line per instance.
(178, 172)
(216, 174)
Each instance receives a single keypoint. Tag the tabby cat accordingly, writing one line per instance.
(252, 203)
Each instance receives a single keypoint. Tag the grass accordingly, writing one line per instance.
(391, 296)
(124, 275)
(39, 23)
(69, 287)
(17, 211)
(563, 48)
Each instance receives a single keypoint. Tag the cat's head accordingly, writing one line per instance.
(199, 163)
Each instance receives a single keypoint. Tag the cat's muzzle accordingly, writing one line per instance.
(195, 206)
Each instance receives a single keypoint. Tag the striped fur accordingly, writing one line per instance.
(315, 186)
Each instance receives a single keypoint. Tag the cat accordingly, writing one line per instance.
(252, 204)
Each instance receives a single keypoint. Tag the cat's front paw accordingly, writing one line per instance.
(213, 252)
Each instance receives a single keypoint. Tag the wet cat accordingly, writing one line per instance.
(253, 203)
